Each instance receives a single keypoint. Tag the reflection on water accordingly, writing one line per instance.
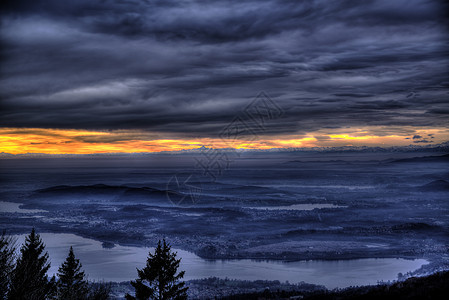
(119, 264)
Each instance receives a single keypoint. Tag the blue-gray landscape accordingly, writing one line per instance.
(224, 149)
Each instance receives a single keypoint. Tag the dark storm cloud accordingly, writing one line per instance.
(423, 141)
(186, 68)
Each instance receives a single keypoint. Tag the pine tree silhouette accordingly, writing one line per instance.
(29, 278)
(71, 284)
(158, 280)
(7, 250)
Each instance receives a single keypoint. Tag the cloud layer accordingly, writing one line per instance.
(185, 69)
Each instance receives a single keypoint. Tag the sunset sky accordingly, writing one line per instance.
(142, 76)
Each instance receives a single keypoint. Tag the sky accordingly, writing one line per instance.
(143, 76)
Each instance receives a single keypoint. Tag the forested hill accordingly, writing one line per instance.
(433, 287)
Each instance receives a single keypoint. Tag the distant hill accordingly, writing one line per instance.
(436, 185)
(99, 192)
(424, 159)
(98, 189)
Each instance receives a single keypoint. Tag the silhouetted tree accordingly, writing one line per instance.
(71, 284)
(7, 250)
(158, 280)
(29, 278)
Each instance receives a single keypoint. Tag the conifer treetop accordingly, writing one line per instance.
(160, 278)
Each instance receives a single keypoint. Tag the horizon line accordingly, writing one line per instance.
(410, 147)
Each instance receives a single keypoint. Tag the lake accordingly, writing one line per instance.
(12, 207)
(119, 264)
(306, 206)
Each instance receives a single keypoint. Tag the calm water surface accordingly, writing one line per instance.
(119, 264)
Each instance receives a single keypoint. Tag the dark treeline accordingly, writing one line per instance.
(23, 276)
(432, 287)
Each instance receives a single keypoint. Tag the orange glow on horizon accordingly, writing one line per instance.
(73, 141)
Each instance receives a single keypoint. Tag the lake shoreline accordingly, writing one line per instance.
(328, 273)
(286, 257)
